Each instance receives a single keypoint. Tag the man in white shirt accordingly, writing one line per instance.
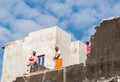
(58, 58)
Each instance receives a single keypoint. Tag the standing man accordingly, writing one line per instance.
(58, 58)
(34, 62)
(88, 49)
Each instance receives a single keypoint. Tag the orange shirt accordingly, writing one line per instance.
(88, 49)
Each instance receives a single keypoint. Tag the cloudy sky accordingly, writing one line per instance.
(77, 17)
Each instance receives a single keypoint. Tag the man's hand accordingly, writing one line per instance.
(54, 58)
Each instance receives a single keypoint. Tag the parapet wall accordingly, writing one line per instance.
(67, 74)
(73, 73)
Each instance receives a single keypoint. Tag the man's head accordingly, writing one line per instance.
(56, 49)
(34, 53)
(87, 43)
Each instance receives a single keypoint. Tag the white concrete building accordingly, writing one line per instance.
(43, 42)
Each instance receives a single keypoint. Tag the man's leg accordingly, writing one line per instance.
(35, 67)
(28, 67)
(88, 55)
(32, 68)
(59, 62)
(56, 63)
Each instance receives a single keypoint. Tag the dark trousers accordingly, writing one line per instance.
(88, 55)
(34, 67)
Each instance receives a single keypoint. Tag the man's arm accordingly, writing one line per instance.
(57, 57)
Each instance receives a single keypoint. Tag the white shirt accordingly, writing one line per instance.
(57, 53)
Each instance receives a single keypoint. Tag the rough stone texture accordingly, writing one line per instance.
(104, 60)
(31, 77)
(41, 68)
(43, 42)
(75, 73)
(35, 78)
(106, 42)
(54, 76)
(20, 79)
(48, 76)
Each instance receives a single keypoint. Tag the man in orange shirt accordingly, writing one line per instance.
(88, 49)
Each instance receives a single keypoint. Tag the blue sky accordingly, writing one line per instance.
(78, 17)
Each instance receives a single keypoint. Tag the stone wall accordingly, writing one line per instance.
(105, 42)
(105, 50)
(72, 73)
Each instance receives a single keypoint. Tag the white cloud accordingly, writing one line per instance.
(84, 18)
(23, 19)
(23, 27)
(8, 5)
(73, 38)
(46, 20)
(79, 2)
(23, 10)
(63, 24)
(116, 9)
(87, 35)
(4, 35)
(60, 9)
(6, 17)
(30, 19)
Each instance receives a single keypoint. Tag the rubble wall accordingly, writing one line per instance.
(106, 42)
(104, 60)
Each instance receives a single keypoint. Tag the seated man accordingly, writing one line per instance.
(32, 64)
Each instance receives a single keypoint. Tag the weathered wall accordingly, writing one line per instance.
(43, 42)
(14, 61)
(82, 52)
(105, 42)
(104, 60)
(78, 50)
(67, 74)
(73, 73)
(17, 53)
(64, 42)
